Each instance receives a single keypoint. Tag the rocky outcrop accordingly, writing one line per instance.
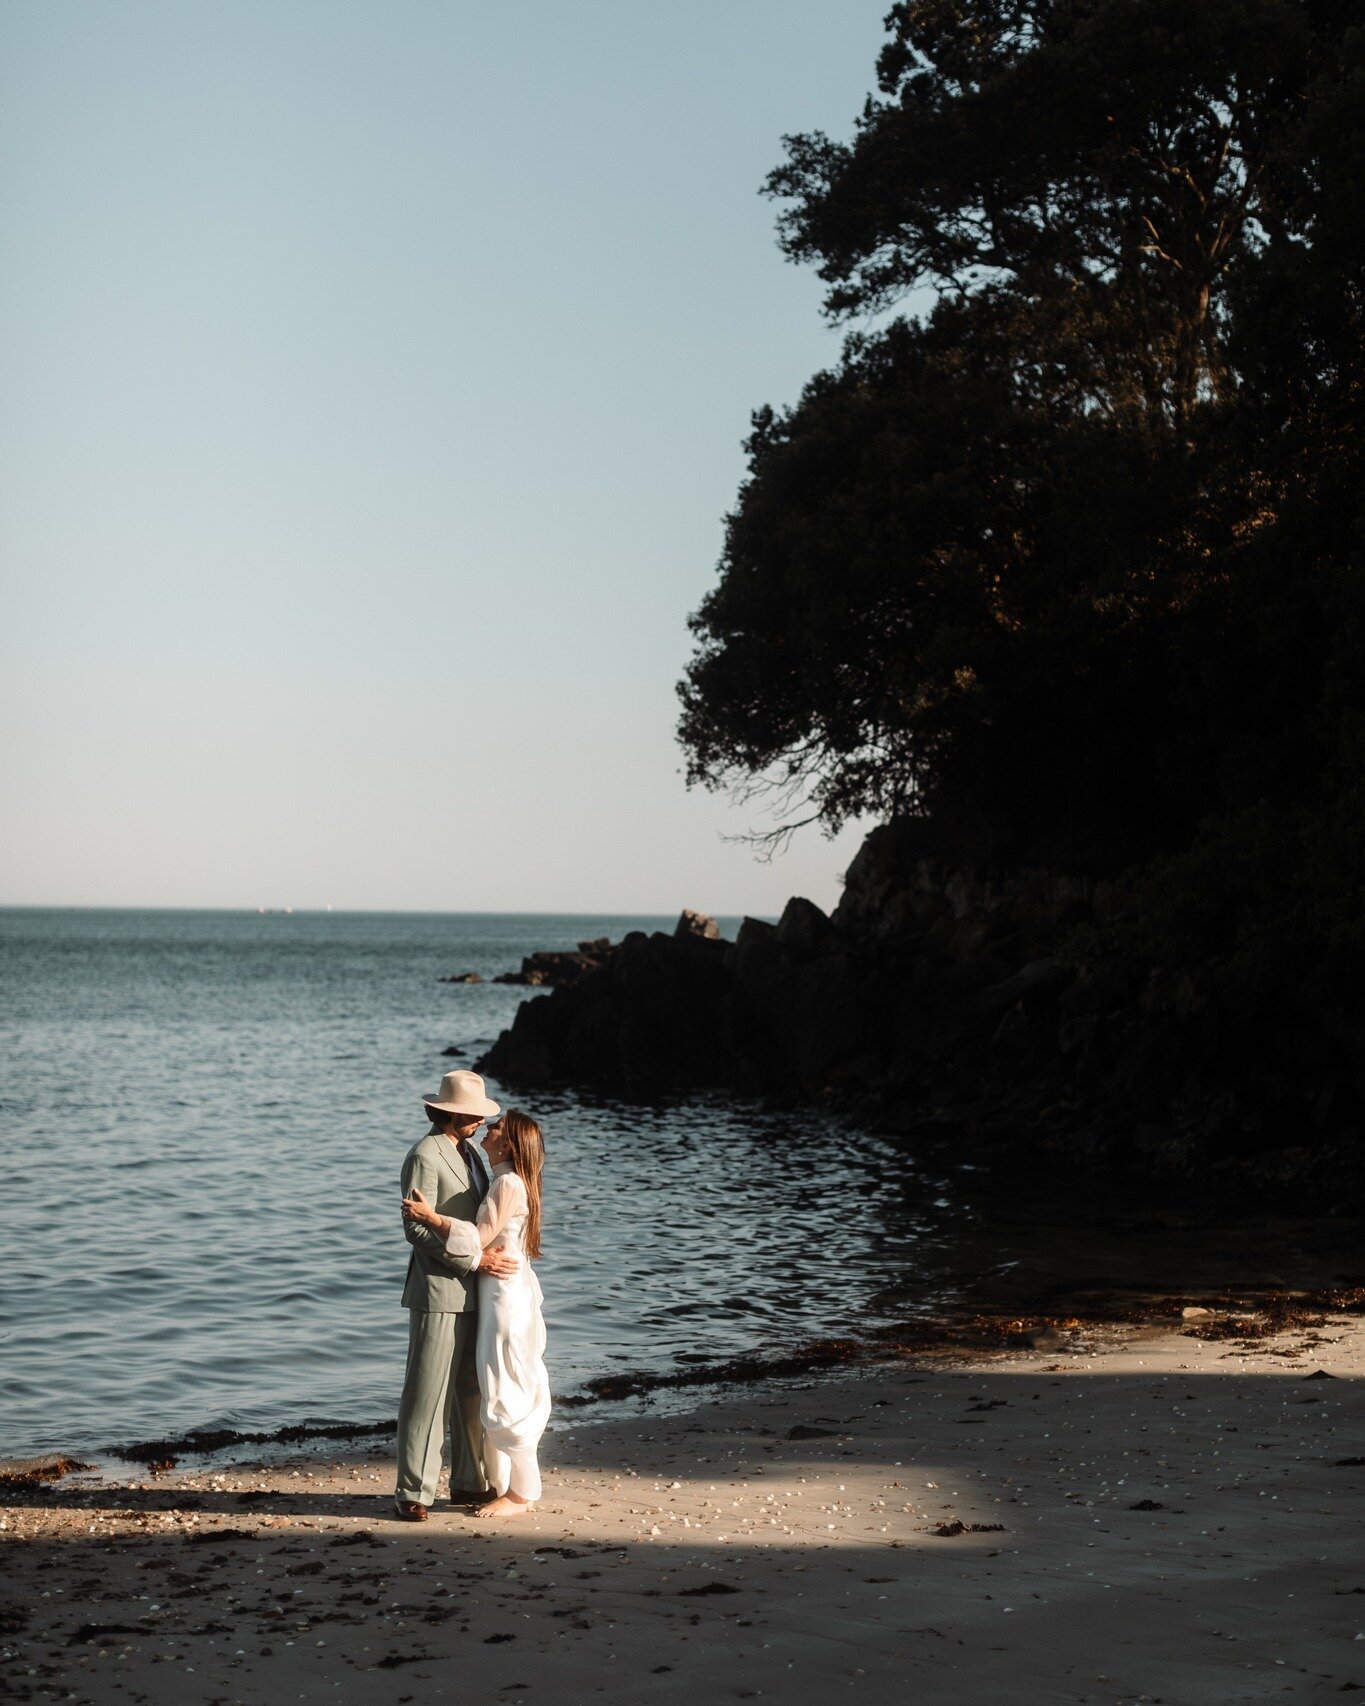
(643, 1017)
(783, 1008)
(560, 969)
(917, 961)
(947, 996)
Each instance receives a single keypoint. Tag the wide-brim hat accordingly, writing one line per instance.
(462, 1093)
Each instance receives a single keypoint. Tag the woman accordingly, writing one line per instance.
(510, 1345)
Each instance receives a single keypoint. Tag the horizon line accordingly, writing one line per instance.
(377, 911)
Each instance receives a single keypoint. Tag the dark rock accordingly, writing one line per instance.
(972, 935)
(1098, 989)
(646, 1016)
(888, 888)
(803, 930)
(802, 1021)
(1040, 977)
(463, 977)
(558, 969)
(1077, 1034)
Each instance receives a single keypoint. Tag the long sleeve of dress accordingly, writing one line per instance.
(506, 1198)
(463, 1243)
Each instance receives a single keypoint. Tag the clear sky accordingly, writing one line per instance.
(372, 383)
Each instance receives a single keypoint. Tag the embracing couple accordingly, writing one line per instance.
(476, 1339)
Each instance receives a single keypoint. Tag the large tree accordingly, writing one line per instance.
(1061, 559)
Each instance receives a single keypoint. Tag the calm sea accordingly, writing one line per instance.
(204, 1114)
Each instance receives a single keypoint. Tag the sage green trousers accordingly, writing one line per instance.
(440, 1399)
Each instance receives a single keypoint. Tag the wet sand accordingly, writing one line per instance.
(1133, 1515)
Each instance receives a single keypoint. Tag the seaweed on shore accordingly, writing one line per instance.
(1279, 1312)
(980, 1332)
(203, 1441)
(741, 1370)
(39, 1471)
(1250, 1317)
(1273, 1313)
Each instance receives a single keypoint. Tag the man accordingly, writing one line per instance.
(441, 1384)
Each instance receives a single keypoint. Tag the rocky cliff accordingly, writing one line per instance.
(946, 995)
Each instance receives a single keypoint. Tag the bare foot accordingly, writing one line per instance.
(458, 1497)
(507, 1505)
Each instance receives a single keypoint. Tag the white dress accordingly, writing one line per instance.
(509, 1349)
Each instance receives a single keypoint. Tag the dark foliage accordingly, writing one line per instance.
(1072, 560)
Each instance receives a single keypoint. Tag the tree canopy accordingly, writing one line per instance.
(1073, 558)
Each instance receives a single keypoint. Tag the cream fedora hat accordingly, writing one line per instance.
(462, 1093)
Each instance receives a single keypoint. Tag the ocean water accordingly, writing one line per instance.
(203, 1115)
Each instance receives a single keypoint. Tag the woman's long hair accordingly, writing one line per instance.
(526, 1152)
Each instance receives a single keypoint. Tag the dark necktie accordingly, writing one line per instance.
(477, 1176)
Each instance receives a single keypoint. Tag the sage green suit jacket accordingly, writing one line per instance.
(438, 1282)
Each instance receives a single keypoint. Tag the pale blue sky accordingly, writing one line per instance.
(372, 382)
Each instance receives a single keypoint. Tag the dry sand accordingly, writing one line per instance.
(1176, 1523)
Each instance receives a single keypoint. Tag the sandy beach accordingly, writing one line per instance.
(1133, 1516)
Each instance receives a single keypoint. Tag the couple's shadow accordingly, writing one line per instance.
(375, 1505)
